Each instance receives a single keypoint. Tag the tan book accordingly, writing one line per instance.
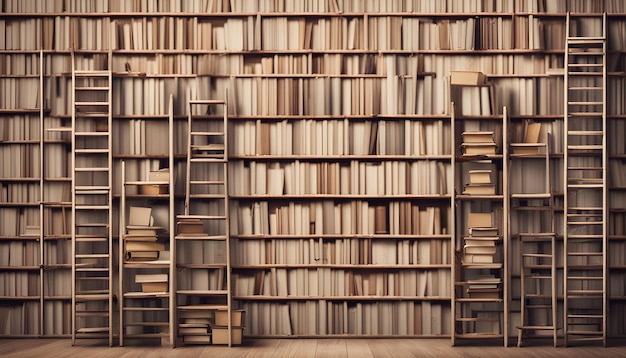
(477, 259)
(480, 242)
(479, 148)
(467, 78)
(188, 339)
(480, 189)
(526, 148)
(475, 220)
(478, 137)
(155, 277)
(483, 233)
(154, 287)
(140, 216)
(480, 176)
(479, 250)
(141, 255)
(485, 294)
(144, 246)
(190, 227)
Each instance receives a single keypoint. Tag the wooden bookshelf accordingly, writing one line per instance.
(344, 102)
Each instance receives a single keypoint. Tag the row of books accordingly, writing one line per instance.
(356, 178)
(362, 318)
(328, 283)
(320, 252)
(341, 137)
(19, 222)
(343, 218)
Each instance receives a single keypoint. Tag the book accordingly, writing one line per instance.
(155, 277)
(467, 78)
(144, 246)
(483, 233)
(142, 255)
(480, 176)
(479, 189)
(479, 148)
(154, 287)
(141, 230)
(478, 137)
(140, 216)
(187, 339)
(480, 250)
(475, 220)
(190, 227)
(488, 241)
(477, 259)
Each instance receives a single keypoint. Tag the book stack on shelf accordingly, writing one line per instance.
(525, 140)
(480, 244)
(152, 283)
(140, 241)
(480, 183)
(484, 286)
(478, 143)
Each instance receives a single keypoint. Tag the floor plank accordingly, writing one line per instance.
(305, 348)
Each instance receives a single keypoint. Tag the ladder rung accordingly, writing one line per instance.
(206, 101)
(208, 196)
(91, 73)
(537, 255)
(60, 129)
(585, 147)
(94, 297)
(534, 328)
(586, 293)
(586, 39)
(584, 278)
(92, 330)
(208, 134)
(94, 88)
(585, 103)
(92, 151)
(92, 103)
(92, 313)
(91, 256)
(585, 88)
(91, 134)
(585, 253)
(540, 307)
(94, 187)
(92, 169)
(202, 217)
(592, 316)
(585, 133)
(217, 158)
(207, 182)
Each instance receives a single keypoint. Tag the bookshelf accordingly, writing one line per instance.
(345, 102)
(481, 237)
(147, 276)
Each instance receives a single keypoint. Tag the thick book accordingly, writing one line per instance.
(190, 227)
(480, 250)
(483, 233)
(479, 189)
(140, 216)
(154, 287)
(155, 277)
(144, 246)
(141, 255)
(486, 241)
(467, 78)
(480, 176)
(477, 259)
(478, 137)
(479, 148)
(475, 220)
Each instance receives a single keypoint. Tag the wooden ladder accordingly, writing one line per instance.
(206, 207)
(538, 307)
(585, 183)
(92, 263)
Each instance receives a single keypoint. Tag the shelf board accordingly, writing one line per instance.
(340, 298)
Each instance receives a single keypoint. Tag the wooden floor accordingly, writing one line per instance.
(357, 348)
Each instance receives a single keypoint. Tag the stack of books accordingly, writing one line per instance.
(190, 227)
(478, 143)
(153, 283)
(527, 142)
(140, 241)
(480, 244)
(194, 326)
(480, 183)
(484, 286)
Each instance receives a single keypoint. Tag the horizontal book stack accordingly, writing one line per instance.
(194, 326)
(153, 283)
(478, 143)
(140, 241)
(480, 244)
(480, 183)
(190, 227)
(485, 287)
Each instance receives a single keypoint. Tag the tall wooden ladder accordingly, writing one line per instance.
(92, 262)
(206, 202)
(585, 181)
(538, 276)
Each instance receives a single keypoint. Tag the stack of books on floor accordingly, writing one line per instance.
(478, 143)
(480, 183)
(141, 239)
(194, 326)
(219, 329)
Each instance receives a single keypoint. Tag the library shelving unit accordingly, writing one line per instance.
(20, 194)
(147, 277)
(481, 235)
(204, 302)
(300, 73)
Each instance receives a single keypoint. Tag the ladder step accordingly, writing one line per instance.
(91, 73)
(92, 313)
(586, 133)
(574, 103)
(93, 269)
(208, 134)
(92, 151)
(206, 101)
(82, 114)
(91, 256)
(585, 147)
(94, 88)
(91, 134)
(535, 328)
(585, 114)
(537, 255)
(95, 297)
(591, 316)
(92, 169)
(60, 129)
(207, 182)
(92, 207)
(585, 278)
(92, 330)
(585, 254)
(202, 217)
(590, 293)
(539, 307)
(92, 188)
(585, 65)
(92, 103)
(585, 88)
(586, 39)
